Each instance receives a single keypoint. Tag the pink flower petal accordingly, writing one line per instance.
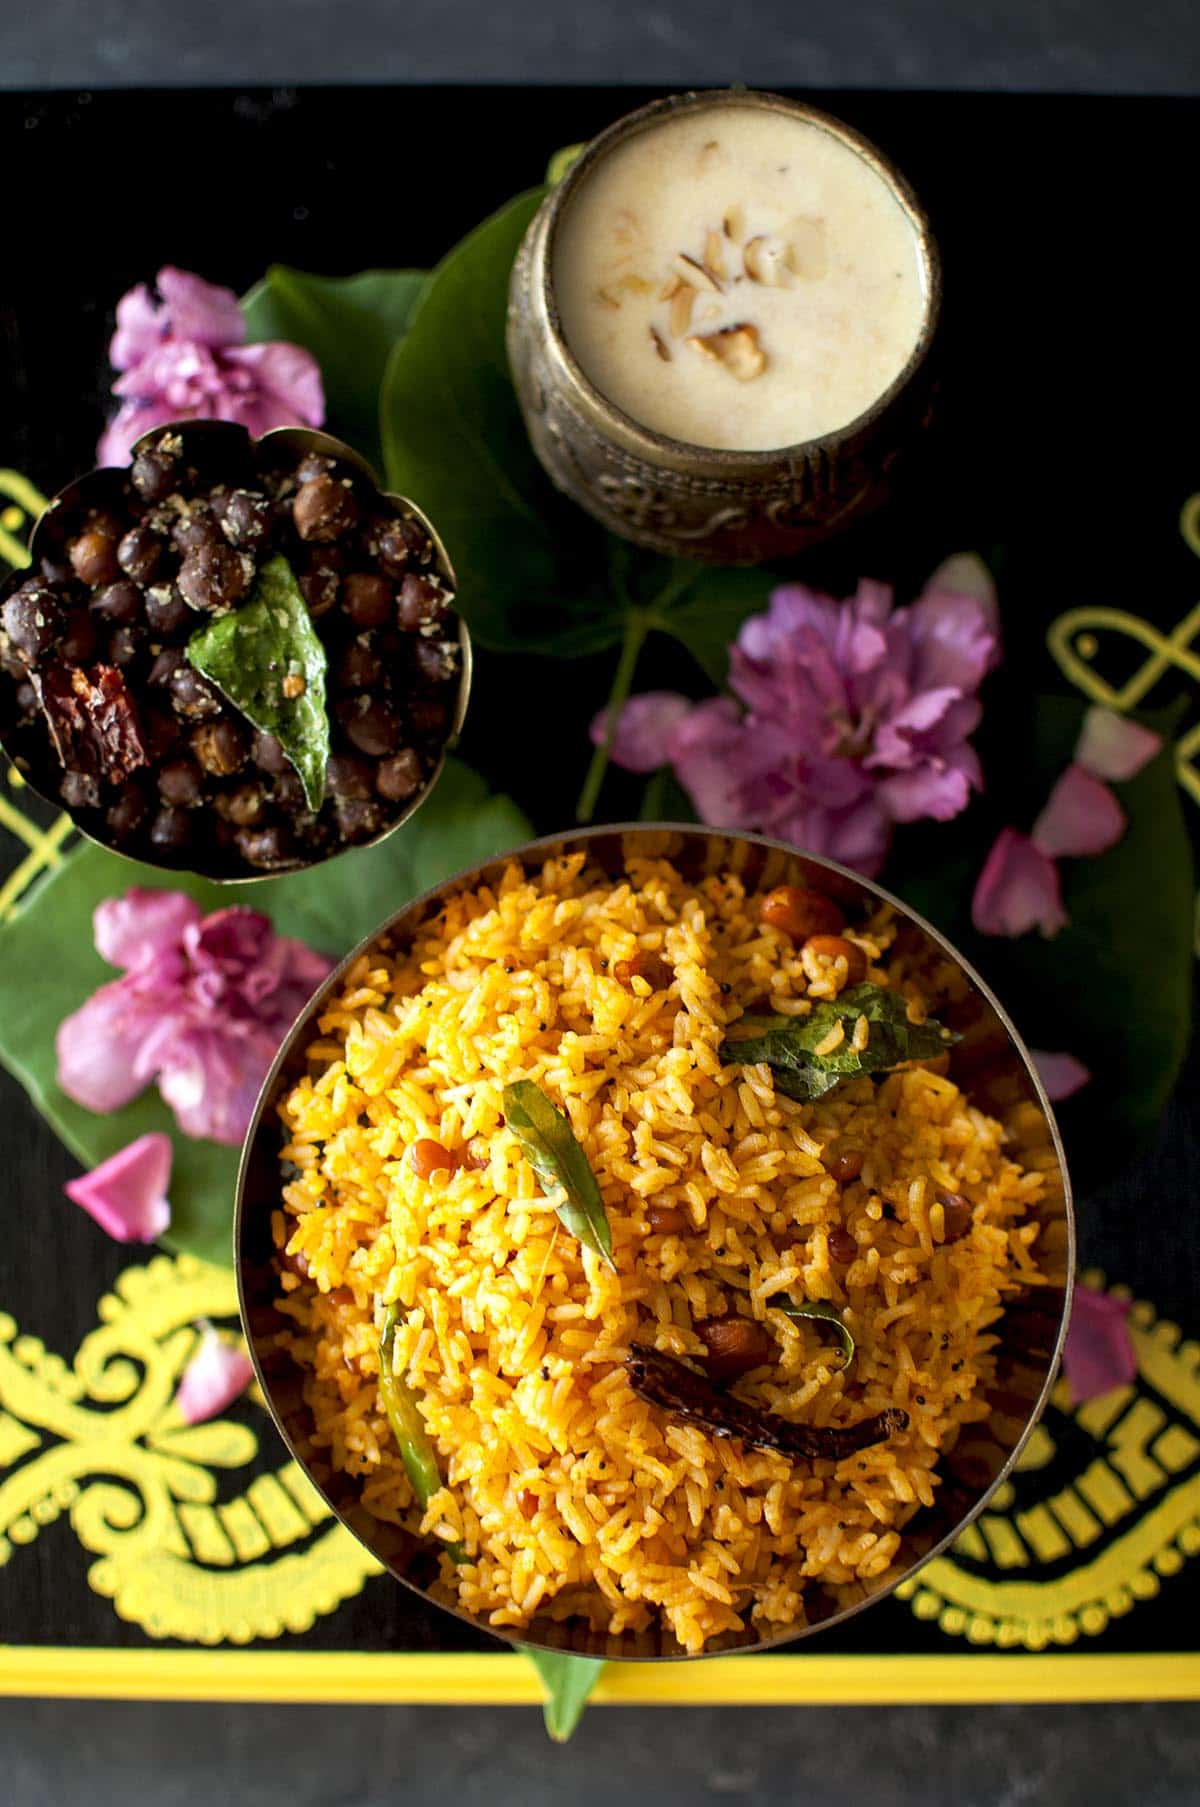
(200, 310)
(126, 427)
(127, 1194)
(99, 1047)
(290, 382)
(966, 574)
(202, 1008)
(1018, 889)
(216, 1375)
(857, 836)
(707, 751)
(1099, 1353)
(1111, 746)
(140, 327)
(142, 924)
(1081, 817)
(1061, 1074)
(644, 730)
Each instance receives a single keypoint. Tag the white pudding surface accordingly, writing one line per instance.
(738, 278)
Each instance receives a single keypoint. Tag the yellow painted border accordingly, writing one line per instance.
(344, 1678)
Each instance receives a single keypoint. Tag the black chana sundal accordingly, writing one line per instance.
(101, 705)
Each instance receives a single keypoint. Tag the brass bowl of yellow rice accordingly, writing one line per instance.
(891, 1255)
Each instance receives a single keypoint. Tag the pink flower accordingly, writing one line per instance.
(202, 1008)
(127, 1194)
(1018, 889)
(1061, 1074)
(1099, 1353)
(1111, 746)
(854, 716)
(182, 358)
(217, 1374)
(1081, 816)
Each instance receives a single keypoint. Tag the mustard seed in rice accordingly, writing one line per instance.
(570, 1494)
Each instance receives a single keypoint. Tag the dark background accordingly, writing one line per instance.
(55, 1752)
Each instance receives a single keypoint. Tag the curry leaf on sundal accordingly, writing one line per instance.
(267, 658)
(824, 1313)
(798, 1051)
(560, 1163)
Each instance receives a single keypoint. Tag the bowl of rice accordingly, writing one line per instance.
(654, 1243)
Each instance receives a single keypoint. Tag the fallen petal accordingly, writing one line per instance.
(1081, 817)
(1099, 1353)
(1111, 746)
(217, 1374)
(1018, 889)
(1061, 1074)
(645, 727)
(966, 574)
(127, 1194)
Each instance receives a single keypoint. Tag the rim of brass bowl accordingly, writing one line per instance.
(991, 1057)
(105, 479)
(659, 448)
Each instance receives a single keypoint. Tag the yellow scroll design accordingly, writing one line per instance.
(1105, 1506)
(179, 1550)
(1081, 636)
(17, 516)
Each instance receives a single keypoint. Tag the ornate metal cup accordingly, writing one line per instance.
(689, 501)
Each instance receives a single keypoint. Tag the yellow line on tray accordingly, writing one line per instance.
(44, 852)
(508, 1680)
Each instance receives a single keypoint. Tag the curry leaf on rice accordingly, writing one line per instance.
(554, 1154)
(823, 1312)
(797, 1048)
(408, 1427)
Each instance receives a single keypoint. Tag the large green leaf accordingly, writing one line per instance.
(710, 610)
(535, 573)
(330, 907)
(350, 324)
(1114, 987)
(568, 1681)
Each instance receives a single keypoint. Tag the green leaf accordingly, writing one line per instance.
(821, 1310)
(551, 1149)
(711, 609)
(454, 442)
(665, 800)
(349, 324)
(789, 1045)
(561, 162)
(331, 907)
(252, 653)
(568, 1681)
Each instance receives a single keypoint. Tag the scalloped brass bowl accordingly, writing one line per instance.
(990, 1060)
(229, 441)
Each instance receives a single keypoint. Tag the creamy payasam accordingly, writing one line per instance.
(739, 277)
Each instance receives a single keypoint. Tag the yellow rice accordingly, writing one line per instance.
(570, 1494)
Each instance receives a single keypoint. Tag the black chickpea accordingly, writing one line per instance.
(119, 603)
(139, 553)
